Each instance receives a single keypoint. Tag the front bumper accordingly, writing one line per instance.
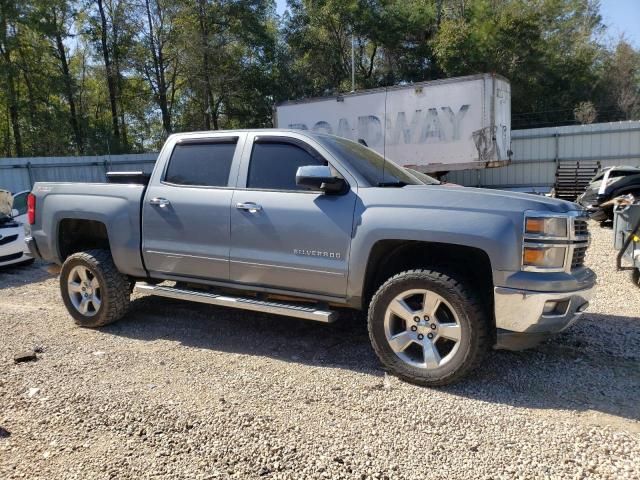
(524, 318)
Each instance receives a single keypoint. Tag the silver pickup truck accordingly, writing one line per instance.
(306, 225)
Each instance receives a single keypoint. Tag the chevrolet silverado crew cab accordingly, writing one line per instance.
(307, 224)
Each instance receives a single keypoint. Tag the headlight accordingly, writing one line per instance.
(543, 257)
(546, 226)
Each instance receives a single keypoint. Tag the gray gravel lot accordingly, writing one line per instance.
(178, 390)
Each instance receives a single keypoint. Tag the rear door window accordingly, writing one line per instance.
(203, 164)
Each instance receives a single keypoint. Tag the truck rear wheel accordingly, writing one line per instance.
(428, 328)
(93, 290)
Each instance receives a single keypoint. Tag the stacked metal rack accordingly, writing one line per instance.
(573, 176)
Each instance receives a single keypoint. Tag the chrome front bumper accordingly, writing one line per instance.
(524, 317)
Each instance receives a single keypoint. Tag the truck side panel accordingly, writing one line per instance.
(116, 206)
(494, 234)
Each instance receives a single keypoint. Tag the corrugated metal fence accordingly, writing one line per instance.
(536, 154)
(17, 174)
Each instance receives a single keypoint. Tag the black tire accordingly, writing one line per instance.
(635, 277)
(475, 338)
(114, 288)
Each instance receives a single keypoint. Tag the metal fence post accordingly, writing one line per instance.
(30, 173)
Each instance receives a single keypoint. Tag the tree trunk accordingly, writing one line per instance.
(7, 136)
(162, 95)
(111, 84)
(31, 100)
(15, 120)
(124, 139)
(159, 72)
(204, 38)
(12, 94)
(69, 91)
(13, 112)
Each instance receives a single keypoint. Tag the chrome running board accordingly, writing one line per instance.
(277, 308)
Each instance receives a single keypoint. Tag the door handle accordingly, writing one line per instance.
(249, 206)
(160, 202)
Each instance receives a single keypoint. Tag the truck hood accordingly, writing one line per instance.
(466, 198)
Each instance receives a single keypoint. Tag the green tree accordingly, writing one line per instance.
(111, 27)
(545, 48)
(54, 19)
(621, 77)
(231, 75)
(158, 60)
(110, 76)
(9, 37)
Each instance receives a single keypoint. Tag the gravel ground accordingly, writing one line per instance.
(178, 390)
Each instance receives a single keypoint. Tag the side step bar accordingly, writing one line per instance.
(277, 308)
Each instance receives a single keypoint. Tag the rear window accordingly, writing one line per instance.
(205, 164)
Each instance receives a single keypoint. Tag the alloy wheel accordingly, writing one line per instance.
(422, 328)
(84, 290)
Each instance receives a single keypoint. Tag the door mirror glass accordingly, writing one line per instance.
(319, 177)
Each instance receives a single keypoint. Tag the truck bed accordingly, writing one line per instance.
(116, 206)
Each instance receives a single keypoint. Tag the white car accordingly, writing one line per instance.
(13, 250)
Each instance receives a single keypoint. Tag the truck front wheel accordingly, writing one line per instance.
(93, 290)
(428, 328)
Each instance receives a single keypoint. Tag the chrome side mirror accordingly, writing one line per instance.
(319, 177)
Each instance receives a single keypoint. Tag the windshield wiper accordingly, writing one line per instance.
(393, 184)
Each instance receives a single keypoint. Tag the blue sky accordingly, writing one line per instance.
(282, 5)
(621, 16)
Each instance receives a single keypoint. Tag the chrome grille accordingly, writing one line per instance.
(579, 253)
(581, 228)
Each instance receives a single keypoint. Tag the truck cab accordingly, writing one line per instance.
(227, 208)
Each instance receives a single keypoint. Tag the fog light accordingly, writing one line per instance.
(553, 307)
(549, 307)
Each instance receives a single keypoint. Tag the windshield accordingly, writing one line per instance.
(368, 163)
(616, 172)
(423, 177)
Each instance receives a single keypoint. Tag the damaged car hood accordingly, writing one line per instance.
(6, 204)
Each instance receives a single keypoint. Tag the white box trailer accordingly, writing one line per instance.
(438, 126)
